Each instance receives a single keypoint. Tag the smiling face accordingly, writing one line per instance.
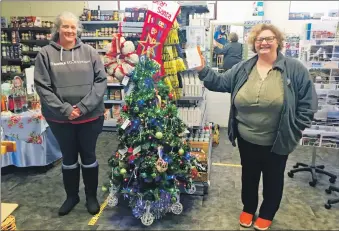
(68, 30)
(266, 43)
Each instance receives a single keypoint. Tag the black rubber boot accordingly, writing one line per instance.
(71, 178)
(90, 177)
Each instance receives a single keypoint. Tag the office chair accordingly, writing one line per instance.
(330, 202)
(313, 169)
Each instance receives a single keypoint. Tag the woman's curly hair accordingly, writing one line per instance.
(257, 29)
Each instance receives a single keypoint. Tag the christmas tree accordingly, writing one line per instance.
(152, 159)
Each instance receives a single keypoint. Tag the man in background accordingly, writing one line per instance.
(220, 37)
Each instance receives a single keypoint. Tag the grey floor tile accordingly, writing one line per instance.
(40, 194)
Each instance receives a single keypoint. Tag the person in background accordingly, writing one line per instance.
(70, 80)
(232, 52)
(220, 37)
(273, 100)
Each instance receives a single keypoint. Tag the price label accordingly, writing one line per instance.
(125, 124)
(123, 151)
(125, 81)
(136, 150)
(130, 89)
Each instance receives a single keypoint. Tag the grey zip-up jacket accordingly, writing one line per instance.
(300, 98)
(67, 78)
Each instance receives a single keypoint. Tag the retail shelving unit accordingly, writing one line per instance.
(188, 10)
(130, 30)
(320, 54)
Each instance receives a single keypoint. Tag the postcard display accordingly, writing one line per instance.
(320, 53)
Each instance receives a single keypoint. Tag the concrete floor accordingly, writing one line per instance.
(39, 196)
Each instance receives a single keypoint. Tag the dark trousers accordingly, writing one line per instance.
(77, 138)
(257, 159)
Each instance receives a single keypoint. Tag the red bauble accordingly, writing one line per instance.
(194, 172)
(130, 150)
(170, 96)
(125, 108)
(131, 157)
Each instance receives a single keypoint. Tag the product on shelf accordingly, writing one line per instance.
(11, 52)
(192, 86)
(4, 23)
(191, 116)
(135, 14)
(113, 94)
(10, 69)
(292, 45)
(102, 32)
(29, 21)
(99, 15)
(4, 37)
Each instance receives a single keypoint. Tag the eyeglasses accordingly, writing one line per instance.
(268, 39)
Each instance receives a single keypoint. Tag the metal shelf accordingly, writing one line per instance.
(131, 29)
(96, 38)
(114, 101)
(114, 85)
(99, 22)
(132, 24)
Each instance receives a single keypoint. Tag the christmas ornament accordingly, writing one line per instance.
(181, 151)
(121, 58)
(158, 135)
(125, 108)
(123, 171)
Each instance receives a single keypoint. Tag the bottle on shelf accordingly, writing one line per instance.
(98, 13)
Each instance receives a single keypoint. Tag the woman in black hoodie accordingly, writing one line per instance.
(71, 81)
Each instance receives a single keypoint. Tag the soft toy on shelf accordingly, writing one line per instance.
(120, 58)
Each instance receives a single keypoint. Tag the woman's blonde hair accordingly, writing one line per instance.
(257, 29)
(233, 37)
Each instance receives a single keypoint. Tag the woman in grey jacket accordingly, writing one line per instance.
(272, 101)
(71, 81)
(232, 52)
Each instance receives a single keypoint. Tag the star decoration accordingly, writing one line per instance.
(148, 46)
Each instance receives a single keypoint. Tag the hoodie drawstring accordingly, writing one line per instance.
(62, 51)
(61, 54)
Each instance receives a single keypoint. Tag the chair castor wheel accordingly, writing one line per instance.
(313, 183)
(290, 174)
(332, 180)
(328, 191)
(328, 206)
(295, 166)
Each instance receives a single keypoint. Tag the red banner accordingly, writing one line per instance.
(158, 23)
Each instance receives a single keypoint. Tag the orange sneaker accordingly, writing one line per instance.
(262, 224)
(246, 219)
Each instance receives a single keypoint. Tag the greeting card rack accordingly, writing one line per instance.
(320, 54)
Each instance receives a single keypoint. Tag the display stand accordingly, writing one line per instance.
(7, 208)
(320, 54)
(192, 103)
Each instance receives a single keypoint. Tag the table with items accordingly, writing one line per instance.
(36, 144)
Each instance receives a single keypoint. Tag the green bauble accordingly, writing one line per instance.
(123, 171)
(143, 175)
(154, 175)
(174, 199)
(181, 151)
(158, 135)
(136, 109)
(104, 188)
